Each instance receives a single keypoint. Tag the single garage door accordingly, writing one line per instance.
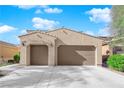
(76, 55)
(39, 55)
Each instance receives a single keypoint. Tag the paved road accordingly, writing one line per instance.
(62, 77)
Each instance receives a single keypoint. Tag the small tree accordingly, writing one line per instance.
(16, 58)
(117, 25)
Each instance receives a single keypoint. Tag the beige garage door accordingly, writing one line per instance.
(39, 55)
(76, 55)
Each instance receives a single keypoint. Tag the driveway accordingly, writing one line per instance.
(62, 77)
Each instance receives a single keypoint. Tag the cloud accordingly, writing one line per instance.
(27, 6)
(45, 24)
(6, 28)
(44, 6)
(16, 39)
(101, 32)
(53, 10)
(104, 32)
(90, 33)
(23, 31)
(99, 15)
(38, 11)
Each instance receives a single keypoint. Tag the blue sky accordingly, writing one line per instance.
(14, 20)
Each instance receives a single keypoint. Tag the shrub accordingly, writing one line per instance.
(116, 62)
(16, 58)
(10, 61)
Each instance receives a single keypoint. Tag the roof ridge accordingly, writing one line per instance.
(48, 31)
(28, 33)
(74, 31)
(38, 31)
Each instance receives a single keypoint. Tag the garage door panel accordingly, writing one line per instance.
(76, 55)
(39, 55)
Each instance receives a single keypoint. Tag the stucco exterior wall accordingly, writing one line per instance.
(7, 51)
(106, 48)
(67, 37)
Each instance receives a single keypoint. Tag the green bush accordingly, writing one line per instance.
(16, 58)
(116, 62)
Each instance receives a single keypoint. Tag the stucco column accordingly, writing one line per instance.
(56, 55)
(51, 55)
(28, 55)
(99, 55)
(25, 55)
(96, 58)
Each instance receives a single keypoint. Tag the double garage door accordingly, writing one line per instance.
(67, 55)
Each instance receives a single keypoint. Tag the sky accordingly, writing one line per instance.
(90, 19)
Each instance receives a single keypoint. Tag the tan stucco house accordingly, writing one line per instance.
(60, 47)
(7, 51)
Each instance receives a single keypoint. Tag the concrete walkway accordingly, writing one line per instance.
(62, 77)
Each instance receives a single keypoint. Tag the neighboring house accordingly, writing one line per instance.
(60, 47)
(7, 51)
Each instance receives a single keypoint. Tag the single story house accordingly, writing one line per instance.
(7, 51)
(60, 47)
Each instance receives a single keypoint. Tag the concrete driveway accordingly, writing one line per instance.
(62, 77)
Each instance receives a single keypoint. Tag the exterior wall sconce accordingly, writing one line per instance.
(23, 43)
